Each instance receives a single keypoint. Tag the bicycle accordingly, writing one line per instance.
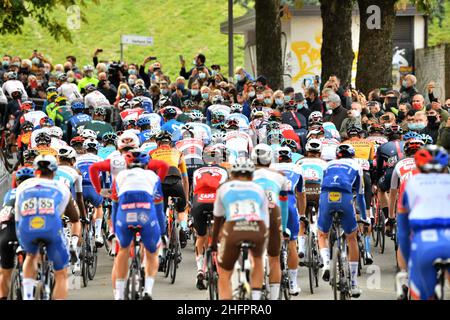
(361, 247)
(15, 291)
(441, 265)
(172, 256)
(88, 254)
(312, 257)
(379, 228)
(211, 275)
(134, 289)
(284, 283)
(243, 290)
(46, 278)
(105, 226)
(340, 278)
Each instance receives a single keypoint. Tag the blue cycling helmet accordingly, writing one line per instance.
(24, 174)
(345, 151)
(77, 106)
(145, 121)
(137, 159)
(427, 139)
(411, 135)
(431, 158)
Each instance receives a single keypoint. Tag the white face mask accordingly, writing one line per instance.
(356, 113)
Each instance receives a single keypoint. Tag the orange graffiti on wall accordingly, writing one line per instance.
(308, 57)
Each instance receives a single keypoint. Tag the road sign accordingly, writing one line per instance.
(137, 40)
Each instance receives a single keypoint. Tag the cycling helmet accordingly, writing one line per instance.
(411, 135)
(124, 104)
(273, 125)
(77, 106)
(315, 132)
(236, 108)
(138, 89)
(67, 152)
(52, 95)
(427, 139)
(55, 132)
(30, 154)
(27, 105)
(27, 126)
(11, 75)
(376, 127)
(274, 137)
(128, 140)
(145, 121)
(164, 136)
(90, 87)
(394, 129)
(61, 101)
(46, 122)
(315, 117)
(243, 165)
(345, 151)
(136, 102)
(217, 117)
(313, 145)
(431, 158)
(283, 153)
(169, 112)
(137, 159)
(354, 130)
(291, 144)
(46, 162)
(24, 174)
(164, 102)
(62, 77)
(188, 103)
(196, 115)
(129, 124)
(88, 134)
(88, 68)
(110, 137)
(218, 137)
(43, 138)
(100, 111)
(217, 100)
(51, 89)
(232, 124)
(412, 146)
(275, 115)
(77, 141)
(90, 144)
(262, 154)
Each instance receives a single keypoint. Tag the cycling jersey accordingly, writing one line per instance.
(172, 156)
(33, 116)
(67, 89)
(77, 121)
(10, 86)
(70, 177)
(100, 127)
(330, 131)
(312, 170)
(403, 170)
(139, 196)
(239, 141)
(24, 140)
(147, 147)
(131, 114)
(241, 119)
(43, 150)
(226, 110)
(155, 119)
(83, 163)
(104, 152)
(329, 147)
(201, 131)
(241, 200)
(40, 204)
(95, 99)
(85, 81)
(7, 211)
(364, 152)
(206, 181)
(387, 156)
(57, 143)
(171, 125)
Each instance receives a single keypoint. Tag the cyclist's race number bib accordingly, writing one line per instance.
(247, 209)
(271, 196)
(34, 206)
(334, 197)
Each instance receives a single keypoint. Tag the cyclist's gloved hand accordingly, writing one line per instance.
(366, 221)
(213, 247)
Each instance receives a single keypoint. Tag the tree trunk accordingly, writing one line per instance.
(337, 53)
(375, 45)
(268, 42)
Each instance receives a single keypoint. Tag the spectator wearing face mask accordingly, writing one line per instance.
(155, 93)
(354, 119)
(418, 102)
(301, 105)
(205, 102)
(199, 65)
(123, 92)
(338, 112)
(313, 100)
(241, 76)
(34, 88)
(375, 110)
(194, 92)
(180, 93)
(437, 106)
(278, 98)
(268, 99)
(88, 72)
(403, 109)
(433, 124)
(107, 89)
(408, 89)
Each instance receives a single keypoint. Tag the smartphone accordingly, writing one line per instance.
(317, 78)
(304, 82)
(152, 58)
(35, 50)
(100, 50)
(181, 58)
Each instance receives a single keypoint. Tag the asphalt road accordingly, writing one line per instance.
(377, 281)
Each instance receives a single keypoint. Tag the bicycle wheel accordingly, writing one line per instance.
(92, 266)
(212, 278)
(316, 260)
(344, 288)
(84, 256)
(382, 232)
(105, 234)
(310, 262)
(167, 261)
(173, 271)
(15, 292)
(334, 276)
(133, 281)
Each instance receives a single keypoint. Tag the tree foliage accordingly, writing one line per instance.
(13, 14)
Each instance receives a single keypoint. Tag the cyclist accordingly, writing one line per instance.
(40, 203)
(364, 155)
(170, 123)
(376, 135)
(297, 206)
(109, 140)
(242, 207)
(145, 126)
(28, 158)
(293, 146)
(388, 155)
(77, 144)
(83, 163)
(423, 219)
(98, 124)
(276, 187)
(30, 114)
(176, 183)
(238, 141)
(206, 181)
(43, 141)
(73, 180)
(139, 196)
(8, 232)
(339, 179)
(79, 119)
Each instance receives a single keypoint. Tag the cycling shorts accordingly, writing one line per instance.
(233, 234)
(427, 246)
(89, 194)
(312, 191)
(336, 201)
(7, 254)
(293, 223)
(199, 214)
(144, 216)
(385, 181)
(48, 229)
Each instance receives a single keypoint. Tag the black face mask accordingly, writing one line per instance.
(432, 120)
(401, 115)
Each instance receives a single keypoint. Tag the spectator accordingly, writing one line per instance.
(375, 110)
(403, 109)
(278, 97)
(241, 77)
(418, 102)
(199, 64)
(339, 113)
(433, 124)
(301, 105)
(107, 89)
(313, 100)
(354, 119)
(88, 72)
(194, 92)
(73, 61)
(408, 89)
(180, 93)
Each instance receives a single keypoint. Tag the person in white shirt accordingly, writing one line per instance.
(66, 88)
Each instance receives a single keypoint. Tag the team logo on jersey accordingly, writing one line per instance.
(206, 197)
(334, 197)
(37, 223)
(131, 217)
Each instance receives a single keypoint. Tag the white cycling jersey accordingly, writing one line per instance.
(95, 99)
(14, 85)
(68, 89)
(34, 117)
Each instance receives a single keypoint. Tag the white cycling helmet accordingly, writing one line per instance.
(315, 117)
(218, 137)
(88, 134)
(262, 154)
(128, 140)
(243, 165)
(313, 145)
(283, 152)
(45, 162)
(90, 144)
(67, 152)
(55, 132)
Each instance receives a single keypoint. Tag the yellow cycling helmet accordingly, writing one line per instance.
(51, 96)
